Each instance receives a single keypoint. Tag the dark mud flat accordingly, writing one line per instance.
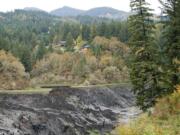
(65, 111)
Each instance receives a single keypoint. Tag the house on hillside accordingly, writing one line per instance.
(62, 43)
(85, 48)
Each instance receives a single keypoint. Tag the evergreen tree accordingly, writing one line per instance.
(93, 32)
(4, 44)
(102, 29)
(41, 51)
(172, 34)
(86, 32)
(144, 71)
(50, 48)
(26, 59)
(97, 50)
(122, 31)
(69, 42)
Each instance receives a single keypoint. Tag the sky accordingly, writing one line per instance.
(49, 5)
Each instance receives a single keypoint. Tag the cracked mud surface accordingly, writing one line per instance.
(66, 111)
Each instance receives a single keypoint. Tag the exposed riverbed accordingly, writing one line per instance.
(66, 111)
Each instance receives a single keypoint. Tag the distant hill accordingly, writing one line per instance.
(66, 11)
(107, 12)
(32, 9)
(103, 12)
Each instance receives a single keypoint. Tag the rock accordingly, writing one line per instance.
(38, 127)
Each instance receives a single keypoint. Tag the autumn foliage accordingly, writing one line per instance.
(12, 72)
(84, 67)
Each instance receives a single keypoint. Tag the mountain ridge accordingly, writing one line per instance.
(32, 9)
(66, 11)
(101, 12)
(107, 12)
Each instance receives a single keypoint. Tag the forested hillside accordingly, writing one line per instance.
(66, 50)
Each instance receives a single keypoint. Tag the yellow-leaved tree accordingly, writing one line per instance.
(12, 72)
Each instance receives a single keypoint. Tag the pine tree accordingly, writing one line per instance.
(86, 32)
(50, 48)
(102, 29)
(172, 34)
(144, 71)
(69, 42)
(93, 32)
(26, 59)
(41, 51)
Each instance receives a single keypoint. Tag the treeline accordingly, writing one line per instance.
(89, 31)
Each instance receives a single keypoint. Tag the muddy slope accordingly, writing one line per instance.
(64, 111)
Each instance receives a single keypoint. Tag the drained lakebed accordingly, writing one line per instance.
(67, 111)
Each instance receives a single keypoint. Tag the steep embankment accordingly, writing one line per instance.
(64, 111)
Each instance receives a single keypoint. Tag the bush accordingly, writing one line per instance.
(49, 62)
(105, 61)
(92, 63)
(102, 41)
(95, 78)
(111, 74)
(78, 67)
(112, 45)
(53, 68)
(118, 48)
(13, 75)
(168, 106)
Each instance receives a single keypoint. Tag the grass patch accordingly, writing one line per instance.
(27, 91)
(165, 119)
(85, 86)
(45, 89)
(146, 125)
(106, 85)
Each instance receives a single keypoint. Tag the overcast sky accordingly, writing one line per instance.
(48, 5)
